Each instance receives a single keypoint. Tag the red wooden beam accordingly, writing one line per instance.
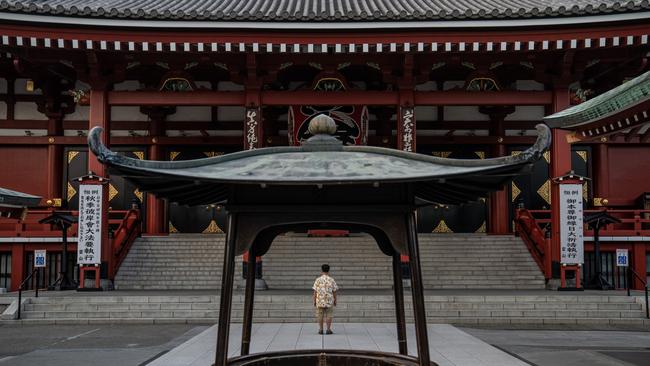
(309, 97)
(461, 98)
(194, 98)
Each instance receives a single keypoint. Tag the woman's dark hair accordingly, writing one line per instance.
(325, 268)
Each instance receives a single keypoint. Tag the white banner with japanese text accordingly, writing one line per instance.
(89, 245)
(571, 224)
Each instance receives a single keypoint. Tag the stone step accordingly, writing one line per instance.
(541, 309)
(448, 261)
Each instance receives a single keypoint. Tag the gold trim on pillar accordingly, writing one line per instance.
(112, 192)
(212, 154)
(515, 192)
(482, 228)
(72, 155)
(547, 156)
(139, 154)
(442, 227)
(213, 228)
(480, 154)
(71, 192)
(545, 191)
(441, 154)
(583, 155)
(172, 228)
(138, 194)
(173, 155)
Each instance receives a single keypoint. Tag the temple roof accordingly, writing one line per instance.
(624, 96)
(321, 10)
(322, 160)
(9, 198)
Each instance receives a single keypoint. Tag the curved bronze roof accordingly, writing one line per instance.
(17, 199)
(626, 95)
(321, 10)
(321, 161)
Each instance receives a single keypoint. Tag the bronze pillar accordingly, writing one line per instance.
(399, 304)
(249, 300)
(223, 328)
(417, 291)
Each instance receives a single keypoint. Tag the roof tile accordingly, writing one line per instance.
(322, 10)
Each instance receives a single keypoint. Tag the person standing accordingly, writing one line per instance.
(324, 298)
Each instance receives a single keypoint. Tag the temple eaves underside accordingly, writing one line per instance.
(202, 181)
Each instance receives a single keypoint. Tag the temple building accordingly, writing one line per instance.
(181, 80)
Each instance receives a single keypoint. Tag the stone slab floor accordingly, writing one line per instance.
(140, 345)
(449, 346)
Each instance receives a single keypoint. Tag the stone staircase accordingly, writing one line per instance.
(293, 262)
(448, 260)
(536, 308)
(180, 261)
(477, 261)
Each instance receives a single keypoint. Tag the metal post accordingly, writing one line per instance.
(248, 303)
(647, 308)
(627, 279)
(418, 293)
(20, 298)
(38, 274)
(223, 328)
(399, 304)
(597, 257)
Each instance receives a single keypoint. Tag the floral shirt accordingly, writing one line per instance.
(325, 286)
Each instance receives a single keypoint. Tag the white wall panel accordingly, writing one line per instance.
(80, 114)
(184, 113)
(127, 114)
(464, 113)
(527, 113)
(28, 110)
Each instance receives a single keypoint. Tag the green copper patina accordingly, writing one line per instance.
(626, 95)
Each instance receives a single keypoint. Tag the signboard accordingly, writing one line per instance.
(622, 258)
(89, 243)
(571, 224)
(351, 120)
(39, 259)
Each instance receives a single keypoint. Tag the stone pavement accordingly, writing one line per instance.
(571, 348)
(449, 346)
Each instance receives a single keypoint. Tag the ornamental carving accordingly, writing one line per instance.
(408, 130)
(252, 129)
(351, 120)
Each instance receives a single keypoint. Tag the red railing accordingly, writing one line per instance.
(124, 236)
(535, 238)
(532, 226)
(125, 226)
(29, 227)
(633, 222)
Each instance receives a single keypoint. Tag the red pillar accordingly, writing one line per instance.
(54, 159)
(100, 116)
(601, 171)
(17, 265)
(499, 206)
(155, 224)
(498, 220)
(560, 165)
(639, 264)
